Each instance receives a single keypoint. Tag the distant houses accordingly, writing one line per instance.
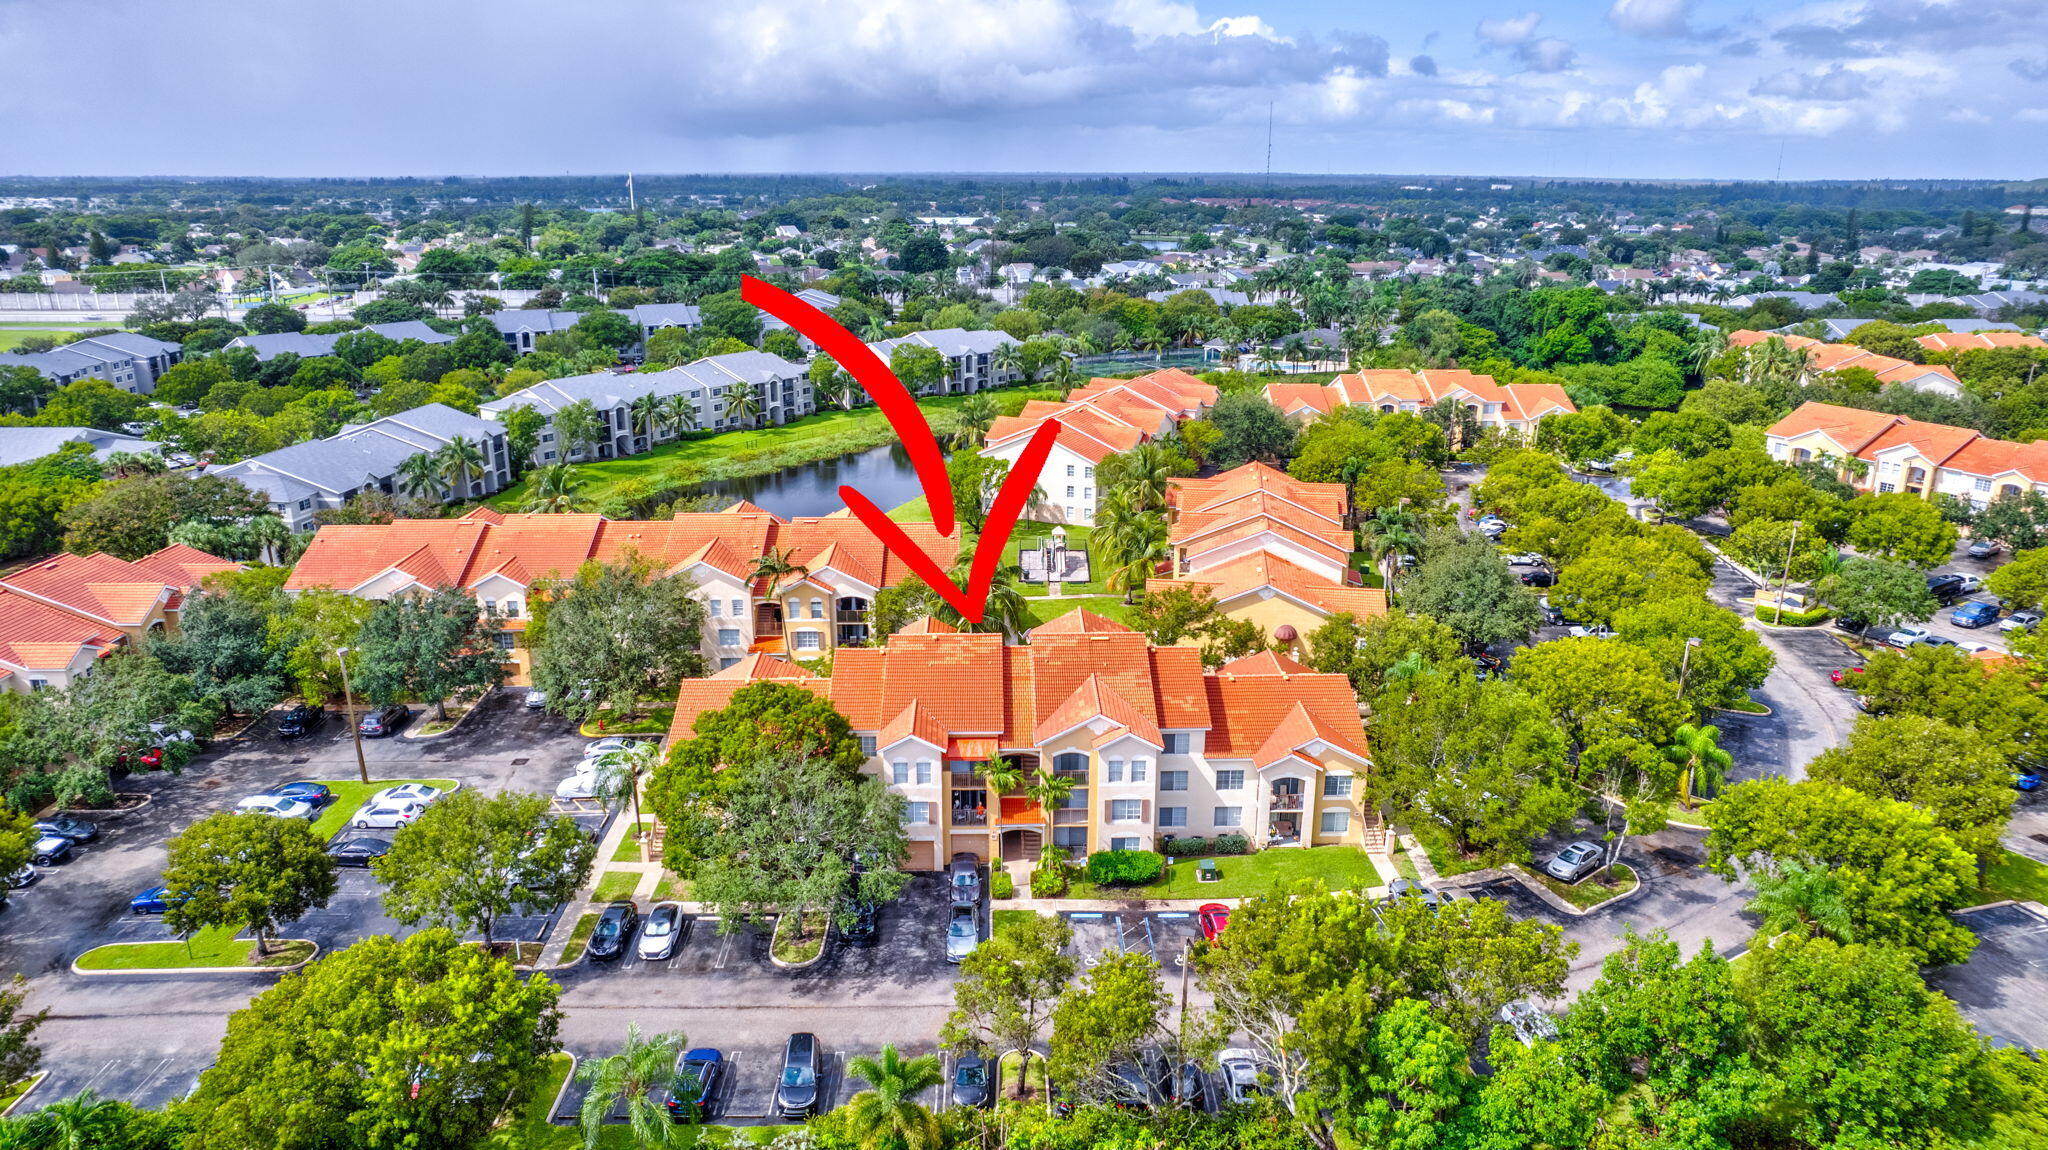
(970, 357)
(27, 444)
(522, 326)
(1516, 407)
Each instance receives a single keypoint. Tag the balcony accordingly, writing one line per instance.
(1288, 802)
(969, 817)
(1070, 817)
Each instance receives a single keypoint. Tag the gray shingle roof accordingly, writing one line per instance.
(947, 341)
(22, 444)
(269, 347)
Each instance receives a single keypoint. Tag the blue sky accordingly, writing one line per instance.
(1846, 89)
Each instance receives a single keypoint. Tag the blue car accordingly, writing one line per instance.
(695, 1086)
(155, 900)
(1974, 614)
(2027, 781)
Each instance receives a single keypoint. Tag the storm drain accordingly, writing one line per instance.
(297, 759)
(520, 762)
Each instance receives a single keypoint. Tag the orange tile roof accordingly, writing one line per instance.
(98, 587)
(1192, 494)
(184, 567)
(1333, 546)
(39, 636)
(1094, 698)
(1247, 574)
(915, 721)
(1376, 386)
(1969, 340)
(713, 693)
(929, 625)
(1250, 701)
(1108, 415)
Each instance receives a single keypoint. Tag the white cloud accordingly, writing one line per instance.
(1518, 36)
(1508, 33)
(1652, 18)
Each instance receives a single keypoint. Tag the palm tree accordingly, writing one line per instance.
(461, 460)
(1004, 612)
(419, 476)
(742, 403)
(775, 566)
(874, 330)
(84, 1121)
(888, 1117)
(1002, 775)
(1707, 345)
(554, 490)
(1139, 475)
(1065, 375)
(271, 537)
(977, 414)
(1008, 357)
(1702, 764)
(1393, 531)
(618, 774)
(1802, 897)
(645, 412)
(678, 414)
(128, 464)
(631, 1076)
(1133, 542)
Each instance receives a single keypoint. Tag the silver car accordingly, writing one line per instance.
(964, 877)
(963, 933)
(659, 933)
(277, 806)
(1574, 862)
(387, 815)
(1240, 1075)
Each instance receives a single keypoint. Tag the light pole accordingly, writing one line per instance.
(1685, 664)
(355, 726)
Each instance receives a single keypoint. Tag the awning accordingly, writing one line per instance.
(1019, 810)
(970, 750)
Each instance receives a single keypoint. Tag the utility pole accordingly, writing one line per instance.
(355, 726)
(1685, 664)
(1785, 582)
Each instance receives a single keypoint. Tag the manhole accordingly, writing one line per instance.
(297, 759)
(2039, 838)
(520, 762)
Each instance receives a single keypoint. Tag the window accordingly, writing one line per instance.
(924, 771)
(1887, 488)
(728, 637)
(1126, 843)
(490, 606)
(1070, 839)
(867, 744)
(728, 661)
(1177, 743)
(1090, 472)
(511, 608)
(899, 772)
(504, 640)
(1125, 810)
(1229, 817)
(1336, 822)
(1070, 491)
(1173, 816)
(1337, 786)
(738, 608)
(817, 608)
(917, 814)
(717, 608)
(1229, 780)
(305, 504)
(1137, 770)
(809, 641)
(1173, 780)
(1070, 761)
(1983, 485)
(1115, 771)
(38, 684)
(1070, 471)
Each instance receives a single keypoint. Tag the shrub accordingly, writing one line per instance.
(1124, 868)
(1229, 845)
(1185, 847)
(1051, 877)
(1792, 618)
(1001, 885)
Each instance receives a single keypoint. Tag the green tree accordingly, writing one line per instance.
(1365, 650)
(1901, 526)
(615, 633)
(1466, 585)
(1702, 764)
(1999, 704)
(20, 1057)
(1899, 873)
(1726, 662)
(110, 712)
(523, 425)
(1801, 898)
(1601, 690)
(976, 479)
(887, 1113)
(605, 329)
(1106, 1017)
(84, 1121)
(1593, 432)
(919, 368)
(316, 624)
(1617, 574)
(1004, 997)
(2021, 581)
(1166, 617)
(246, 869)
(1250, 430)
(1730, 401)
(130, 518)
(223, 645)
(421, 1042)
(579, 428)
(1879, 593)
(1687, 488)
(630, 1079)
(468, 861)
(428, 646)
(1945, 770)
(743, 404)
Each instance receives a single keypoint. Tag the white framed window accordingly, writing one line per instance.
(1336, 822)
(924, 771)
(728, 637)
(1230, 780)
(1983, 485)
(717, 608)
(1089, 472)
(1124, 810)
(1113, 771)
(1070, 471)
(1228, 817)
(1177, 742)
(1887, 488)
(739, 608)
(1173, 780)
(899, 771)
(809, 641)
(1070, 491)
(867, 744)
(1127, 843)
(1173, 816)
(917, 814)
(1336, 786)
(1137, 770)
(817, 608)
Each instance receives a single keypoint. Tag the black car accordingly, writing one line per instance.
(316, 793)
(1186, 1087)
(973, 1082)
(1538, 578)
(384, 720)
(614, 929)
(1129, 1090)
(354, 849)
(865, 923)
(77, 830)
(695, 1085)
(300, 720)
(796, 1088)
(1946, 588)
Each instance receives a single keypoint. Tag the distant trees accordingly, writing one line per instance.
(428, 646)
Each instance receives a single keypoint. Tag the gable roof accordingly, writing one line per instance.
(1375, 387)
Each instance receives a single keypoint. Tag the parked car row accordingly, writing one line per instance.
(619, 922)
(963, 922)
(55, 839)
(584, 781)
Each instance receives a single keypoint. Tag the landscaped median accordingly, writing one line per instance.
(579, 938)
(349, 794)
(1248, 875)
(795, 949)
(216, 948)
(532, 1128)
(1589, 892)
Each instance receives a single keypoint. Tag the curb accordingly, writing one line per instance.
(34, 1080)
(188, 971)
(1559, 904)
(568, 1080)
(1766, 713)
(459, 724)
(111, 812)
(824, 947)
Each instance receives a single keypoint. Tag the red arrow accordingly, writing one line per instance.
(923, 447)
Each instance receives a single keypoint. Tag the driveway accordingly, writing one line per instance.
(2003, 989)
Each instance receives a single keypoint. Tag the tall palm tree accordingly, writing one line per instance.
(631, 1076)
(1702, 764)
(1002, 775)
(776, 565)
(619, 772)
(678, 414)
(1004, 612)
(742, 403)
(874, 330)
(977, 414)
(888, 1116)
(645, 413)
(1392, 532)
(419, 476)
(1007, 357)
(1065, 375)
(1137, 543)
(1804, 898)
(461, 460)
(271, 537)
(1139, 475)
(1049, 790)
(554, 490)
(84, 1121)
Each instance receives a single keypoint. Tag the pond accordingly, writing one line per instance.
(883, 474)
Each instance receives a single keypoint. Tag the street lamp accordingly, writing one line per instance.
(1685, 664)
(355, 726)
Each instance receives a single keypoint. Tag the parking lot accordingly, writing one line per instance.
(746, 1091)
(1165, 935)
(2003, 989)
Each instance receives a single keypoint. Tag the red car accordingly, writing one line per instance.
(1213, 916)
(1840, 676)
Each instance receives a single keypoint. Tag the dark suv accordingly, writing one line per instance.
(796, 1089)
(300, 720)
(1946, 588)
(385, 720)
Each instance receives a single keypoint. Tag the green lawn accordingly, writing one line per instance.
(1002, 920)
(349, 795)
(1032, 535)
(629, 848)
(2017, 877)
(579, 938)
(215, 946)
(1338, 868)
(1406, 866)
(918, 510)
(672, 887)
(13, 1094)
(1110, 607)
(743, 454)
(1591, 891)
(531, 1130)
(615, 885)
(1446, 860)
(651, 721)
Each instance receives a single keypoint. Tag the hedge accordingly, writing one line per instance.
(1792, 618)
(1051, 877)
(1193, 845)
(1001, 885)
(1125, 868)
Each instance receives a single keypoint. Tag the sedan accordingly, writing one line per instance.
(600, 747)
(664, 927)
(695, 1085)
(1187, 1087)
(77, 830)
(357, 850)
(963, 933)
(300, 720)
(385, 816)
(1983, 548)
(535, 700)
(1524, 559)
(2021, 621)
(578, 786)
(408, 793)
(50, 850)
(1574, 862)
(965, 879)
(1241, 1076)
(155, 900)
(1904, 637)
(1538, 578)
(614, 927)
(2027, 781)
(972, 1087)
(1213, 917)
(277, 806)
(316, 793)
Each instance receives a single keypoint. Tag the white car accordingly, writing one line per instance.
(660, 930)
(1971, 584)
(536, 699)
(602, 747)
(386, 815)
(582, 785)
(408, 793)
(277, 806)
(166, 735)
(1240, 1069)
(1904, 637)
(1598, 631)
(1969, 648)
(1525, 559)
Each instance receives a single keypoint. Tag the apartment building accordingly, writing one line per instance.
(1823, 358)
(1105, 417)
(59, 616)
(123, 359)
(1977, 340)
(813, 612)
(1154, 746)
(306, 346)
(782, 392)
(522, 327)
(1900, 454)
(970, 357)
(1516, 407)
(301, 480)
